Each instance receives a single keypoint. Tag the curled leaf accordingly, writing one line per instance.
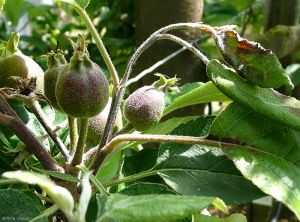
(60, 195)
(85, 197)
(258, 65)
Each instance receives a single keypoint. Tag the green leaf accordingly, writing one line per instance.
(267, 102)
(149, 208)
(203, 94)
(45, 214)
(146, 188)
(293, 71)
(59, 175)
(232, 218)
(201, 170)
(164, 127)
(17, 206)
(98, 185)
(96, 207)
(110, 168)
(219, 204)
(267, 153)
(172, 95)
(256, 64)
(60, 195)
(169, 125)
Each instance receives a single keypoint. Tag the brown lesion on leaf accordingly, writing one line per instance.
(243, 45)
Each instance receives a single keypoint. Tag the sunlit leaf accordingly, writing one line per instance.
(264, 151)
(205, 93)
(232, 218)
(266, 102)
(149, 208)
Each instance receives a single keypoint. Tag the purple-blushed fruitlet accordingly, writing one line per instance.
(13, 63)
(82, 90)
(97, 125)
(145, 107)
(56, 61)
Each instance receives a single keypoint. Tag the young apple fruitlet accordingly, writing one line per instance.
(144, 107)
(82, 90)
(13, 63)
(56, 61)
(97, 125)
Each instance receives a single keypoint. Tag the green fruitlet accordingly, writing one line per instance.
(82, 89)
(144, 107)
(14, 63)
(97, 125)
(56, 61)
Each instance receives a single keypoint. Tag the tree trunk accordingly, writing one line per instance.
(154, 14)
(281, 13)
(150, 15)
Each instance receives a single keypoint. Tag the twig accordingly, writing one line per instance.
(15, 124)
(109, 148)
(38, 112)
(87, 157)
(154, 66)
(89, 154)
(184, 43)
(119, 94)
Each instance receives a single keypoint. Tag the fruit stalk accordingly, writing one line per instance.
(100, 45)
(109, 127)
(16, 125)
(77, 159)
(73, 134)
